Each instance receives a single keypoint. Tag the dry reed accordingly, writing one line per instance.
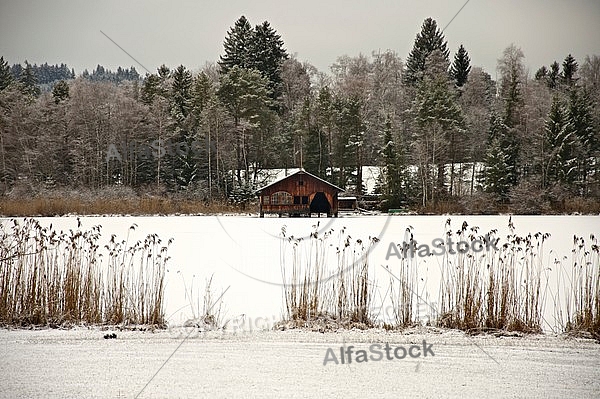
(58, 278)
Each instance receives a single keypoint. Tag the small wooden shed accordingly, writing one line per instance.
(300, 193)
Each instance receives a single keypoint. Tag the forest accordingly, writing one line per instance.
(446, 136)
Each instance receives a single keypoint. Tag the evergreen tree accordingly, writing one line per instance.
(6, 77)
(559, 165)
(267, 55)
(497, 170)
(460, 67)
(150, 88)
(554, 75)
(237, 45)
(581, 120)
(541, 73)
(186, 167)
(60, 92)
(325, 124)
(246, 95)
(570, 67)
(391, 178)
(500, 160)
(440, 123)
(429, 39)
(181, 94)
(28, 81)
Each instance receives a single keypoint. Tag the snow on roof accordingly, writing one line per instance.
(294, 173)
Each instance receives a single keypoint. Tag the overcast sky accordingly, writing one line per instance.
(318, 31)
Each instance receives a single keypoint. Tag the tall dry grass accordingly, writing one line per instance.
(314, 289)
(579, 288)
(27, 207)
(58, 278)
(495, 289)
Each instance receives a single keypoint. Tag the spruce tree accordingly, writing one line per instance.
(181, 94)
(150, 89)
(541, 73)
(460, 67)
(28, 81)
(391, 178)
(429, 39)
(60, 92)
(501, 158)
(185, 164)
(581, 120)
(267, 55)
(497, 170)
(554, 75)
(237, 46)
(559, 165)
(570, 67)
(6, 77)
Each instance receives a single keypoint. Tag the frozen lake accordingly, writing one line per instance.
(245, 254)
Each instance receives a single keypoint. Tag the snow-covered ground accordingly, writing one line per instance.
(289, 364)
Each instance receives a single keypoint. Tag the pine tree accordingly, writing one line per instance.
(6, 77)
(429, 39)
(570, 67)
(237, 45)
(460, 67)
(60, 92)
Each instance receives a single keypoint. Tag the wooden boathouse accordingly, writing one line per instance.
(300, 193)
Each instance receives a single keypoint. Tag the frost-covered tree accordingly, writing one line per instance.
(559, 159)
(439, 125)
(580, 115)
(60, 92)
(6, 77)
(237, 46)
(28, 81)
(429, 39)
(245, 94)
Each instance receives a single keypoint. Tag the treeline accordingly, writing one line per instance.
(443, 131)
(46, 75)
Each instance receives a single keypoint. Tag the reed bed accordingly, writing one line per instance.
(315, 292)
(25, 207)
(577, 298)
(65, 278)
(495, 289)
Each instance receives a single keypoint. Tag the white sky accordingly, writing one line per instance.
(192, 32)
